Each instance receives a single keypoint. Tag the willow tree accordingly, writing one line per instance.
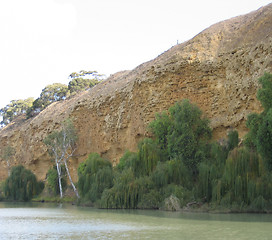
(62, 145)
(147, 158)
(22, 184)
(95, 175)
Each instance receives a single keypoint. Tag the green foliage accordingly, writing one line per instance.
(180, 165)
(150, 200)
(160, 128)
(51, 93)
(127, 191)
(210, 173)
(233, 139)
(183, 133)
(126, 161)
(61, 146)
(264, 139)
(14, 109)
(260, 125)
(147, 158)
(171, 172)
(95, 175)
(83, 80)
(253, 122)
(160, 176)
(52, 180)
(242, 171)
(187, 133)
(22, 185)
(59, 142)
(264, 94)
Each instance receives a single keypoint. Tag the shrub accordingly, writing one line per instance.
(53, 182)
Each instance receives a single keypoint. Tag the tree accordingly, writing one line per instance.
(264, 139)
(14, 109)
(7, 155)
(160, 127)
(62, 145)
(50, 94)
(233, 139)
(52, 180)
(82, 80)
(79, 81)
(147, 158)
(259, 136)
(22, 184)
(265, 92)
(94, 176)
(182, 133)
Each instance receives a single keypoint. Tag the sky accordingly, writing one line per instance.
(43, 41)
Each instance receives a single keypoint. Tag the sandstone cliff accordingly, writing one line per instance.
(218, 70)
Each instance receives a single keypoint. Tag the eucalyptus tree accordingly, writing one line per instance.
(82, 80)
(53, 93)
(14, 109)
(62, 145)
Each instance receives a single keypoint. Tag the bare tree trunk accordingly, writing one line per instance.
(59, 177)
(8, 167)
(71, 181)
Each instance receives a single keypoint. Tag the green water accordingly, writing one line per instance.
(52, 221)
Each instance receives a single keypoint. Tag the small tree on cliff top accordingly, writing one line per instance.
(82, 80)
(62, 145)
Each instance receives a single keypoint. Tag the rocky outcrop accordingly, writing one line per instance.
(218, 70)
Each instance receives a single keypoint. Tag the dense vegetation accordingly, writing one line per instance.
(22, 185)
(53, 180)
(14, 109)
(78, 81)
(182, 167)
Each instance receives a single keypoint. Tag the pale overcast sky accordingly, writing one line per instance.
(43, 41)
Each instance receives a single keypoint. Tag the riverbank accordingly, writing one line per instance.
(219, 209)
(194, 208)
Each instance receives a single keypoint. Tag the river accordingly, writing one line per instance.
(55, 221)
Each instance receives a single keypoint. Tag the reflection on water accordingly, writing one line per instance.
(51, 221)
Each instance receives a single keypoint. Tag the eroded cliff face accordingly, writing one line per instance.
(218, 70)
